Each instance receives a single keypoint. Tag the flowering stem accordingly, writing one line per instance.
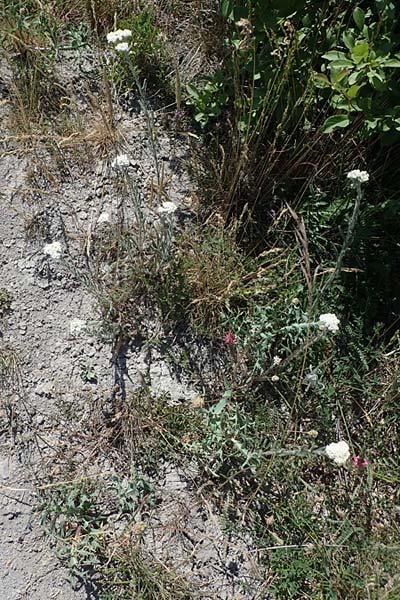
(347, 240)
(295, 452)
(350, 231)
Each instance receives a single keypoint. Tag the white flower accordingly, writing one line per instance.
(167, 208)
(77, 326)
(329, 321)
(122, 47)
(104, 217)
(339, 452)
(54, 250)
(276, 361)
(118, 36)
(275, 378)
(357, 176)
(121, 161)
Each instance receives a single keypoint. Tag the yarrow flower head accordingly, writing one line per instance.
(339, 452)
(122, 47)
(230, 339)
(360, 462)
(167, 208)
(114, 37)
(104, 217)
(357, 177)
(329, 321)
(121, 161)
(54, 250)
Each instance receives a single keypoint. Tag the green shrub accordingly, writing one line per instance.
(362, 72)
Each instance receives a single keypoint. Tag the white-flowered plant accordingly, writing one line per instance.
(54, 250)
(122, 47)
(339, 452)
(120, 35)
(104, 217)
(329, 321)
(77, 326)
(357, 177)
(167, 208)
(276, 361)
(275, 378)
(122, 161)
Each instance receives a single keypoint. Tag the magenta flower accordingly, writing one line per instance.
(360, 462)
(230, 339)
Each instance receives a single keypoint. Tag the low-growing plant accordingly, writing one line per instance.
(10, 375)
(148, 281)
(149, 431)
(5, 302)
(84, 518)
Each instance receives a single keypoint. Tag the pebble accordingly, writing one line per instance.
(4, 469)
(44, 389)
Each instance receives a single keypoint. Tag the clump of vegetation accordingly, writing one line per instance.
(5, 302)
(100, 540)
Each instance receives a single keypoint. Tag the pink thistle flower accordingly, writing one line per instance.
(230, 339)
(360, 462)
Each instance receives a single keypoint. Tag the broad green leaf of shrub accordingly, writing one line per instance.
(359, 17)
(335, 122)
(360, 51)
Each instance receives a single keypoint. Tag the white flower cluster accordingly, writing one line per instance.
(356, 176)
(122, 47)
(122, 161)
(167, 208)
(104, 217)
(54, 250)
(276, 361)
(339, 452)
(329, 321)
(120, 35)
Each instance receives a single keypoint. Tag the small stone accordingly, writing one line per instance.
(77, 326)
(44, 389)
(4, 469)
